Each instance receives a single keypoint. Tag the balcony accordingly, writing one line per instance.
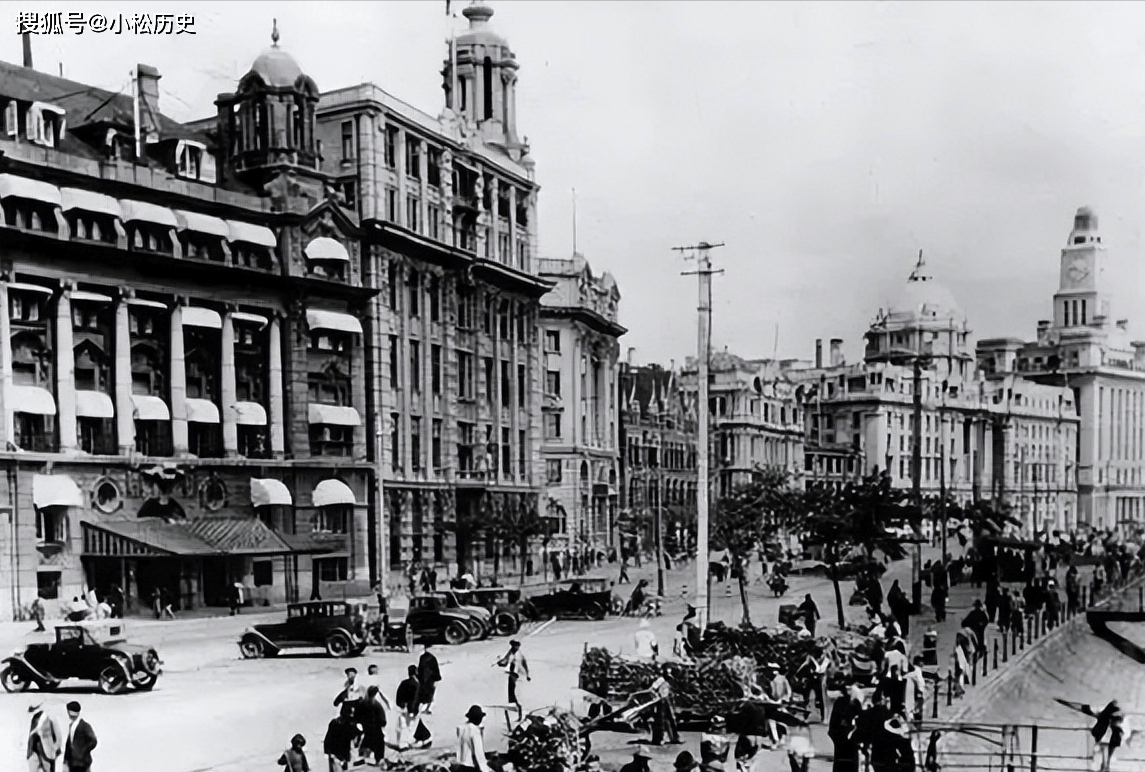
(466, 201)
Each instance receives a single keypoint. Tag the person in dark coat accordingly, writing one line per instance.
(341, 735)
(841, 730)
(428, 675)
(900, 607)
(406, 701)
(992, 598)
(1072, 590)
(1005, 610)
(977, 621)
(874, 593)
(938, 601)
(371, 715)
(80, 743)
(810, 613)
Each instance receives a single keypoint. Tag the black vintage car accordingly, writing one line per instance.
(508, 608)
(573, 599)
(86, 651)
(336, 625)
(431, 618)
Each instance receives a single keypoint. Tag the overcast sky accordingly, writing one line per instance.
(824, 143)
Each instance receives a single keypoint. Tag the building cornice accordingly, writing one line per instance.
(592, 319)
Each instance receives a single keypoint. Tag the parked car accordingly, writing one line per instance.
(87, 651)
(480, 619)
(573, 598)
(509, 610)
(430, 618)
(338, 626)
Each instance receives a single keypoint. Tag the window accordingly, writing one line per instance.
(331, 569)
(333, 519)
(489, 394)
(465, 447)
(392, 204)
(434, 299)
(331, 440)
(435, 369)
(415, 365)
(552, 426)
(466, 308)
(503, 326)
(433, 221)
(553, 383)
(349, 191)
(553, 471)
(522, 326)
(465, 375)
(522, 455)
(506, 452)
(521, 386)
(435, 449)
(505, 394)
(193, 161)
(263, 573)
(392, 282)
(391, 146)
(48, 583)
(52, 525)
(487, 83)
(347, 140)
(45, 124)
(433, 166)
(413, 284)
(487, 321)
(395, 441)
(394, 362)
(505, 248)
(415, 442)
(413, 158)
(553, 341)
(413, 209)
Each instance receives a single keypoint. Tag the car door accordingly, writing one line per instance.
(64, 657)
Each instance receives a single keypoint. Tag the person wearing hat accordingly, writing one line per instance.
(471, 743)
(294, 758)
(43, 740)
(685, 762)
(842, 729)
(515, 666)
(810, 613)
(715, 743)
(977, 620)
(891, 749)
(693, 638)
(428, 676)
(646, 644)
(664, 715)
(406, 702)
(81, 741)
(341, 735)
(639, 763)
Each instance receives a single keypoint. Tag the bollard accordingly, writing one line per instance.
(995, 653)
(985, 662)
(1029, 631)
(1034, 748)
(1005, 646)
(949, 688)
(974, 670)
(937, 687)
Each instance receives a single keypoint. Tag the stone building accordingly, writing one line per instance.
(755, 419)
(181, 354)
(1088, 351)
(448, 212)
(580, 442)
(658, 455)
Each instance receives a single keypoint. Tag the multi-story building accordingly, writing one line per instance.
(658, 458)
(1086, 350)
(1008, 440)
(448, 212)
(181, 354)
(755, 418)
(581, 350)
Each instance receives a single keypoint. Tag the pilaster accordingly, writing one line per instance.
(274, 373)
(178, 373)
(65, 370)
(228, 389)
(124, 406)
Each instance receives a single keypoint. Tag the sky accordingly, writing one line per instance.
(823, 143)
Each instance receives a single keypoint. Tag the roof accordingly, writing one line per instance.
(203, 536)
(650, 384)
(277, 68)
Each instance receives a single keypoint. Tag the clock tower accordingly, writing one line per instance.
(1081, 300)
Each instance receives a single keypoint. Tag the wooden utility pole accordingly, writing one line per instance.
(700, 252)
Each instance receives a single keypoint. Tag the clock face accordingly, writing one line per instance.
(1078, 271)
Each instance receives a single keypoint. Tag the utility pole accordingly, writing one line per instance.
(659, 520)
(916, 481)
(700, 252)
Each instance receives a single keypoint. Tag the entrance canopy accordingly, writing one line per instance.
(209, 536)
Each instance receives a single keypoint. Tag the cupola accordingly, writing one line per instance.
(480, 79)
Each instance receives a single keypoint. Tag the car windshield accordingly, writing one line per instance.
(75, 636)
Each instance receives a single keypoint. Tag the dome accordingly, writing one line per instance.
(276, 67)
(925, 298)
(479, 32)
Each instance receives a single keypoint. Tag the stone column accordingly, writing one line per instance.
(274, 368)
(65, 370)
(400, 173)
(228, 390)
(495, 221)
(178, 383)
(512, 259)
(6, 364)
(124, 407)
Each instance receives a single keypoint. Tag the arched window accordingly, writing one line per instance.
(487, 82)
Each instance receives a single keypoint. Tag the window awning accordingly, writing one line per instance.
(202, 223)
(252, 234)
(31, 399)
(91, 297)
(139, 211)
(331, 493)
(317, 319)
(243, 316)
(33, 190)
(334, 415)
(266, 492)
(94, 404)
(250, 414)
(89, 201)
(202, 411)
(195, 316)
(326, 248)
(55, 490)
(21, 286)
(150, 408)
(146, 303)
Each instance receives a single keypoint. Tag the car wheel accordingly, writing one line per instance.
(252, 648)
(111, 679)
(338, 645)
(14, 680)
(474, 629)
(595, 612)
(506, 623)
(456, 633)
(148, 683)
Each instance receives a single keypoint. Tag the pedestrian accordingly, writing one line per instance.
(234, 598)
(992, 599)
(104, 610)
(841, 729)
(157, 603)
(352, 692)
(43, 740)
(555, 562)
(428, 676)
(938, 601)
(371, 715)
(406, 701)
(1072, 590)
(471, 743)
(685, 762)
(900, 607)
(874, 593)
(1005, 610)
(664, 715)
(814, 670)
(341, 735)
(432, 578)
(372, 679)
(81, 741)
(116, 599)
(639, 763)
(165, 600)
(977, 621)
(294, 758)
(515, 666)
(891, 749)
(646, 643)
(38, 614)
(623, 570)
(715, 745)
(810, 613)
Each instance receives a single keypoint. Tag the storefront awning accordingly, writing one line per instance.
(94, 404)
(89, 201)
(140, 211)
(332, 492)
(55, 490)
(249, 414)
(332, 320)
(267, 492)
(196, 316)
(89, 297)
(31, 399)
(251, 234)
(202, 223)
(326, 248)
(149, 408)
(202, 411)
(334, 415)
(202, 537)
(33, 190)
(243, 316)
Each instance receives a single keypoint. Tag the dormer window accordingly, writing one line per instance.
(44, 124)
(193, 162)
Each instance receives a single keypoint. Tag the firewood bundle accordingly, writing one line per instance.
(546, 741)
(702, 684)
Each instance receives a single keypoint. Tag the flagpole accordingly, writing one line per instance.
(455, 97)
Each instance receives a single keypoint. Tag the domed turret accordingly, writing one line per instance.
(276, 67)
(479, 32)
(924, 298)
(480, 80)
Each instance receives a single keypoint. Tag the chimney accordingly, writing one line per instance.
(27, 49)
(1043, 325)
(631, 356)
(836, 352)
(818, 352)
(147, 85)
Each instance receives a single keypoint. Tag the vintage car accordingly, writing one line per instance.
(509, 610)
(88, 651)
(480, 619)
(573, 599)
(338, 626)
(430, 618)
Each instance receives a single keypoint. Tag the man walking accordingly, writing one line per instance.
(428, 675)
(471, 743)
(810, 613)
(406, 702)
(515, 666)
(43, 740)
(352, 692)
(81, 741)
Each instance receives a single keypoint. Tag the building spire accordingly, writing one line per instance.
(274, 34)
(919, 273)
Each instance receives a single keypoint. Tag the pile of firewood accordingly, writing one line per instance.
(546, 741)
(694, 685)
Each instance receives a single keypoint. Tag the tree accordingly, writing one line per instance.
(518, 523)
